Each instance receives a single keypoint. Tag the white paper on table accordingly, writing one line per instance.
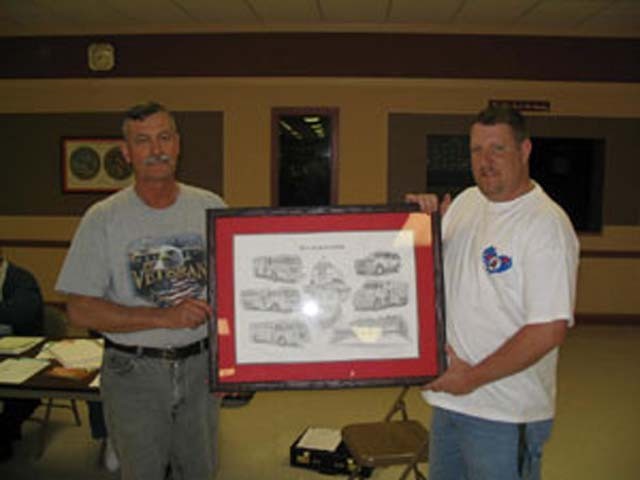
(321, 439)
(17, 370)
(17, 345)
(78, 353)
(44, 353)
(95, 383)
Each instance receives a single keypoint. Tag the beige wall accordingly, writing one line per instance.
(364, 105)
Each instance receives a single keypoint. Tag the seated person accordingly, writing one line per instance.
(21, 313)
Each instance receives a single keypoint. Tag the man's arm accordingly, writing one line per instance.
(98, 314)
(525, 348)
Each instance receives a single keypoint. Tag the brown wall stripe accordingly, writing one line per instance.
(34, 243)
(607, 319)
(65, 244)
(609, 254)
(391, 55)
(580, 318)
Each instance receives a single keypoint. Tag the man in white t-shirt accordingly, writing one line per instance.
(510, 267)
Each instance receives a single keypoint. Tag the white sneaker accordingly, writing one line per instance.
(110, 458)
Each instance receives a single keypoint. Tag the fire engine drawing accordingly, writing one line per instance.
(378, 263)
(380, 294)
(285, 333)
(278, 268)
(369, 330)
(322, 297)
(284, 300)
(326, 292)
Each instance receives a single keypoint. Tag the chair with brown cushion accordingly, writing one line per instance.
(388, 442)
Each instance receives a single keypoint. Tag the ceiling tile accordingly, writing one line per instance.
(218, 11)
(354, 11)
(98, 12)
(424, 11)
(564, 13)
(278, 11)
(621, 14)
(56, 17)
(493, 12)
(27, 12)
(150, 12)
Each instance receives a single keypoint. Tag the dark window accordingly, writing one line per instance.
(570, 170)
(448, 167)
(304, 157)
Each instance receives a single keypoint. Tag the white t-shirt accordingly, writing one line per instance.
(131, 254)
(506, 265)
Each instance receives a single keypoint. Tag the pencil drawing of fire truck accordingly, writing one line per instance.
(390, 324)
(276, 300)
(378, 294)
(282, 332)
(378, 263)
(373, 329)
(279, 268)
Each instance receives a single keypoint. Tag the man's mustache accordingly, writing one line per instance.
(152, 159)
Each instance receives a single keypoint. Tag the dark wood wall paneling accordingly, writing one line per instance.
(13, 243)
(32, 142)
(330, 54)
(408, 151)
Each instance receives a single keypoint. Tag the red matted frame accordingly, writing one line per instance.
(305, 298)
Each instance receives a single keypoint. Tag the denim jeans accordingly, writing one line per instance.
(463, 447)
(160, 413)
(96, 420)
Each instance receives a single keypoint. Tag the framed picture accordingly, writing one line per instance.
(324, 297)
(94, 165)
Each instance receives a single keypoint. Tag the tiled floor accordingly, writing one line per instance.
(70, 452)
(594, 437)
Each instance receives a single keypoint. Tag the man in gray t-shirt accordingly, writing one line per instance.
(136, 272)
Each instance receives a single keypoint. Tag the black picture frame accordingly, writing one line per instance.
(324, 297)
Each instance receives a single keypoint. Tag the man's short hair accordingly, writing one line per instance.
(139, 112)
(496, 115)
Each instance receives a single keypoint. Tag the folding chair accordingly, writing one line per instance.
(388, 442)
(55, 328)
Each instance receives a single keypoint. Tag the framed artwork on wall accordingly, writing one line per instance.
(324, 297)
(94, 165)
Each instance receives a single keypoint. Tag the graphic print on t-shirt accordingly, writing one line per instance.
(165, 270)
(494, 262)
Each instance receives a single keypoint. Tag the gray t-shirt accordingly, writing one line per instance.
(131, 254)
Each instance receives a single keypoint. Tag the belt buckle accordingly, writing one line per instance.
(169, 353)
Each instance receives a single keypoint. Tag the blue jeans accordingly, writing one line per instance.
(463, 447)
(96, 420)
(160, 413)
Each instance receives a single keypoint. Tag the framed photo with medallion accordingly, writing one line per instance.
(94, 165)
(324, 297)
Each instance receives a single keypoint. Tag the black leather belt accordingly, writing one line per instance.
(169, 353)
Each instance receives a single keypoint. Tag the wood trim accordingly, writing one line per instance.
(609, 254)
(325, 54)
(580, 318)
(29, 243)
(35, 243)
(607, 319)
